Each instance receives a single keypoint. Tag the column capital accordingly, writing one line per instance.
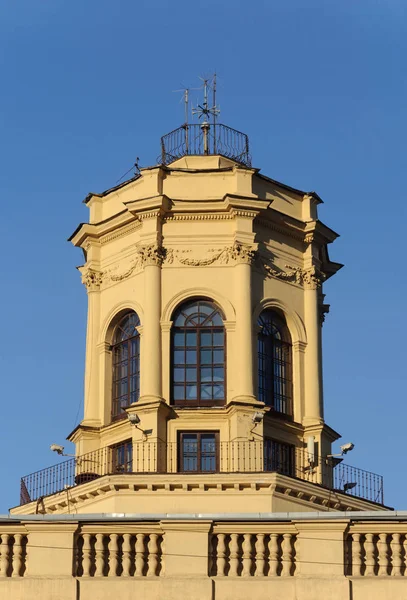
(151, 255)
(92, 279)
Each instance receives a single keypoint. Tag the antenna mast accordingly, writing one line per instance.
(204, 111)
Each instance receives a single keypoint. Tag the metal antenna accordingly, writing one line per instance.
(136, 170)
(204, 111)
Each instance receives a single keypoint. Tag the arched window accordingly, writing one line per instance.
(274, 363)
(126, 364)
(198, 355)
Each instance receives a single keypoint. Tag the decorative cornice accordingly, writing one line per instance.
(200, 217)
(109, 237)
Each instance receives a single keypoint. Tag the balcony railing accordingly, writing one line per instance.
(226, 457)
(201, 139)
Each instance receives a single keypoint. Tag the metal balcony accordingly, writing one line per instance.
(149, 458)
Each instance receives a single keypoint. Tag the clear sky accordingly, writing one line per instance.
(86, 86)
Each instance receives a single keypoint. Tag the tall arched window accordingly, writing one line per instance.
(126, 364)
(274, 363)
(198, 355)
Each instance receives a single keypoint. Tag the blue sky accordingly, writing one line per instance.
(319, 86)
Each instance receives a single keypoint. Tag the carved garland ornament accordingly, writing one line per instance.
(238, 253)
(308, 278)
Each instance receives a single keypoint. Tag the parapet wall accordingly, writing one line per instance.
(304, 557)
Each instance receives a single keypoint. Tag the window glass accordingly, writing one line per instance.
(125, 364)
(274, 363)
(198, 340)
(198, 452)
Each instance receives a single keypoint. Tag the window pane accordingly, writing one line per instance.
(218, 374)
(179, 338)
(218, 392)
(191, 392)
(179, 374)
(218, 338)
(218, 356)
(206, 374)
(191, 375)
(191, 357)
(189, 452)
(206, 392)
(206, 357)
(206, 338)
(179, 357)
(191, 338)
(178, 392)
(217, 319)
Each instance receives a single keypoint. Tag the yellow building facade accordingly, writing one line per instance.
(203, 463)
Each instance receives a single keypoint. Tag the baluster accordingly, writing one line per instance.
(99, 562)
(260, 555)
(126, 561)
(287, 555)
(221, 555)
(356, 554)
(86, 555)
(273, 554)
(152, 555)
(140, 555)
(396, 554)
(17, 555)
(383, 554)
(234, 554)
(247, 554)
(113, 555)
(369, 555)
(4, 554)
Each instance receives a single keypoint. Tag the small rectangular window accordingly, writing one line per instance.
(122, 457)
(198, 451)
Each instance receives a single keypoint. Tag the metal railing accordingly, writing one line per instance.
(204, 139)
(225, 457)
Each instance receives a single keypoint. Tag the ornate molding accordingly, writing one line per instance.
(126, 230)
(238, 253)
(152, 254)
(92, 279)
(200, 217)
(309, 279)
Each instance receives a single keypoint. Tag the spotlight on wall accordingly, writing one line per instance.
(347, 447)
(344, 450)
(57, 448)
(133, 418)
(258, 417)
(349, 486)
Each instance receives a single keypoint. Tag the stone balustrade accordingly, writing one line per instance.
(119, 554)
(372, 551)
(13, 552)
(203, 557)
(270, 554)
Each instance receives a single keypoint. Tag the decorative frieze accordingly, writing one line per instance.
(306, 278)
(237, 253)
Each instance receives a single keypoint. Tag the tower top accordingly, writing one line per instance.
(207, 137)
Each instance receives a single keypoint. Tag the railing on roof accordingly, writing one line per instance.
(204, 139)
(147, 458)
